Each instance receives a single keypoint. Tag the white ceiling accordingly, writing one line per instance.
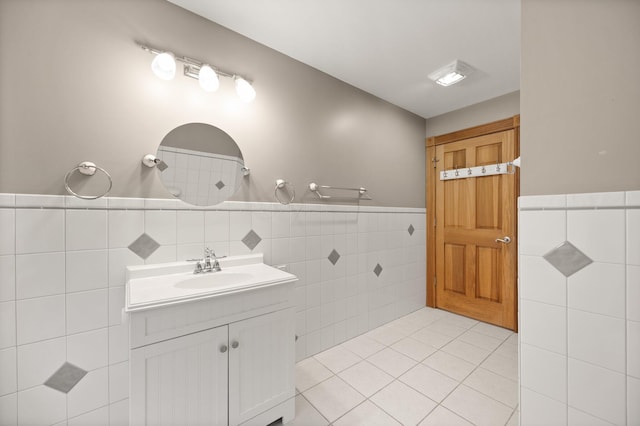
(388, 47)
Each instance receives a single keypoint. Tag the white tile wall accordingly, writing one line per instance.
(594, 379)
(62, 264)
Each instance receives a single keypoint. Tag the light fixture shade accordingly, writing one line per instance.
(208, 79)
(452, 73)
(245, 90)
(164, 66)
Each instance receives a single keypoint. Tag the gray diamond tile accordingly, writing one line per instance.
(144, 246)
(411, 229)
(65, 378)
(220, 184)
(334, 256)
(377, 270)
(251, 240)
(567, 259)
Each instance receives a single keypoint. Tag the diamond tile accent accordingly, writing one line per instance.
(377, 270)
(220, 184)
(251, 240)
(567, 259)
(144, 246)
(65, 378)
(162, 166)
(411, 229)
(334, 256)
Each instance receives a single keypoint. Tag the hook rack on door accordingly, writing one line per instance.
(479, 171)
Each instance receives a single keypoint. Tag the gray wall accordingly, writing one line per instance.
(580, 126)
(481, 113)
(76, 87)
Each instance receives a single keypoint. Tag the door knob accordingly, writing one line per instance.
(505, 240)
(223, 348)
(235, 345)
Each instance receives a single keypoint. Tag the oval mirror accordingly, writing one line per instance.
(200, 164)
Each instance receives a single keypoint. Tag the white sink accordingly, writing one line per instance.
(151, 286)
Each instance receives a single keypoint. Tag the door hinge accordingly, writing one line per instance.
(434, 160)
(435, 281)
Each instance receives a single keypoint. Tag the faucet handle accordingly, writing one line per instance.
(209, 252)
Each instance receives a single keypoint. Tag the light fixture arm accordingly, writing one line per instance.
(192, 66)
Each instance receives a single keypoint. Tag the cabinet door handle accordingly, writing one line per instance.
(223, 348)
(235, 344)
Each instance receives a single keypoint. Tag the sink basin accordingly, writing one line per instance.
(213, 280)
(150, 286)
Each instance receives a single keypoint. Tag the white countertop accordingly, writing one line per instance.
(153, 286)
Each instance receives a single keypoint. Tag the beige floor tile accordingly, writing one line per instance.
(492, 330)
(310, 372)
(414, 349)
(476, 407)
(446, 327)
(337, 358)
(366, 414)
(431, 338)
(404, 404)
(429, 382)
(306, 414)
(443, 417)
(497, 387)
(366, 378)
(480, 340)
(391, 362)
(466, 351)
(451, 365)
(504, 366)
(333, 398)
(363, 346)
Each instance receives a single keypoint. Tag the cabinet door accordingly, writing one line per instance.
(182, 381)
(261, 365)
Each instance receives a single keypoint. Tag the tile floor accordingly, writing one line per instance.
(430, 367)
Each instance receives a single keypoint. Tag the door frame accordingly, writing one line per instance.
(511, 123)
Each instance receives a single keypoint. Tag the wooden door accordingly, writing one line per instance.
(261, 364)
(181, 381)
(475, 272)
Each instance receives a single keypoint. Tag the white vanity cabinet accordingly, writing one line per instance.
(224, 359)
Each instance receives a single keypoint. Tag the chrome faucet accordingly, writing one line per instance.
(206, 264)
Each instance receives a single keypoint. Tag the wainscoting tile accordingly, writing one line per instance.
(41, 274)
(592, 336)
(606, 400)
(86, 270)
(8, 236)
(600, 234)
(537, 409)
(34, 368)
(544, 326)
(86, 229)
(124, 227)
(87, 310)
(8, 374)
(51, 406)
(39, 231)
(40, 318)
(545, 372)
(89, 350)
(535, 243)
(585, 289)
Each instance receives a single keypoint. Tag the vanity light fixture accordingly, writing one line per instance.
(164, 67)
(452, 73)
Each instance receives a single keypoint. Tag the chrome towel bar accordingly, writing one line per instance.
(362, 192)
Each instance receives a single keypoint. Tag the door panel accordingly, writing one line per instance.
(180, 381)
(475, 274)
(261, 364)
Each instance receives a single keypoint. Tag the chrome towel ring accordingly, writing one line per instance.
(87, 168)
(281, 184)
